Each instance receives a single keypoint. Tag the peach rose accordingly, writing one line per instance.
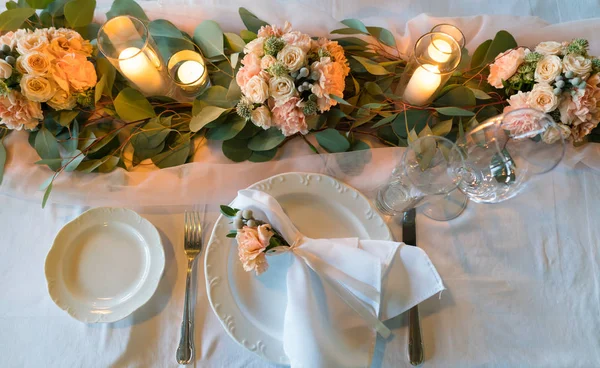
(256, 46)
(18, 112)
(292, 57)
(252, 243)
(256, 90)
(251, 68)
(298, 39)
(506, 65)
(61, 46)
(261, 117)
(62, 100)
(542, 98)
(35, 63)
(330, 82)
(28, 41)
(38, 89)
(267, 61)
(289, 118)
(79, 72)
(549, 48)
(272, 30)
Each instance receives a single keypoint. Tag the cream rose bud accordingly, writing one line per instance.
(549, 48)
(36, 63)
(6, 69)
(62, 100)
(292, 57)
(38, 89)
(267, 61)
(553, 135)
(578, 64)
(261, 117)
(282, 89)
(548, 68)
(542, 98)
(256, 90)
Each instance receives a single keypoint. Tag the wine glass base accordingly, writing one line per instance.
(445, 208)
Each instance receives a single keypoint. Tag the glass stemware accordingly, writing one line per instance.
(504, 152)
(427, 177)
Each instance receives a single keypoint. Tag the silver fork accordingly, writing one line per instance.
(192, 245)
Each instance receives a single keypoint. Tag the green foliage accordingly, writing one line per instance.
(209, 36)
(332, 141)
(266, 140)
(127, 7)
(13, 19)
(131, 105)
(502, 42)
(205, 116)
(228, 211)
(80, 13)
(236, 150)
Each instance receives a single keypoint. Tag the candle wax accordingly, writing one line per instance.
(440, 51)
(190, 71)
(422, 85)
(136, 67)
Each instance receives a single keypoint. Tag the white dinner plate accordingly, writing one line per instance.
(104, 264)
(251, 308)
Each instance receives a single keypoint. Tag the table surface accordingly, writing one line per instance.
(522, 276)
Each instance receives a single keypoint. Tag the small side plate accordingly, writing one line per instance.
(104, 265)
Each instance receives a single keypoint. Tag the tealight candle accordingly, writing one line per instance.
(440, 51)
(139, 69)
(190, 71)
(422, 85)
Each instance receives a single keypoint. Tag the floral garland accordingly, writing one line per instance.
(269, 85)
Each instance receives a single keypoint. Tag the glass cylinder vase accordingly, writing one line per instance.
(126, 43)
(187, 69)
(436, 56)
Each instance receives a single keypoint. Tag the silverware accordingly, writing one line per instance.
(192, 245)
(415, 343)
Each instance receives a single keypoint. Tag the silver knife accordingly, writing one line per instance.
(415, 343)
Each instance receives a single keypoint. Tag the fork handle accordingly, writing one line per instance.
(415, 343)
(185, 350)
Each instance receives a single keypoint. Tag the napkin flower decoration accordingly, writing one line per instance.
(254, 238)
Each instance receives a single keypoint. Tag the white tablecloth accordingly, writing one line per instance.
(522, 276)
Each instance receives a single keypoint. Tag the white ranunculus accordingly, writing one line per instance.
(578, 64)
(36, 63)
(62, 100)
(256, 90)
(292, 57)
(261, 117)
(282, 89)
(553, 135)
(37, 89)
(549, 48)
(548, 68)
(6, 69)
(542, 98)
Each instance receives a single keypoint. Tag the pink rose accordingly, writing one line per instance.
(298, 39)
(252, 243)
(331, 82)
(251, 68)
(272, 30)
(582, 111)
(77, 70)
(288, 117)
(17, 112)
(506, 65)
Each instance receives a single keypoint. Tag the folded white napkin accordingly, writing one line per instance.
(338, 290)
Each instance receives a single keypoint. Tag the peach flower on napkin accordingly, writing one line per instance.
(252, 243)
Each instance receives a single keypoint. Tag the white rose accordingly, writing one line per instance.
(267, 61)
(256, 46)
(578, 64)
(261, 117)
(28, 41)
(549, 48)
(548, 68)
(552, 135)
(6, 69)
(292, 57)
(35, 63)
(542, 98)
(282, 89)
(37, 89)
(256, 90)
(62, 100)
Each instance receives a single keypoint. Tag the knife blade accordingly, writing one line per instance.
(415, 342)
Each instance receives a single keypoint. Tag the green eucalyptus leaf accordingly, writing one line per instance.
(105, 68)
(383, 35)
(373, 88)
(360, 146)
(454, 111)
(387, 134)
(73, 161)
(216, 96)
(234, 93)
(363, 120)
(266, 140)
(205, 116)
(442, 128)
(65, 117)
(13, 19)
(332, 141)
(2, 160)
(228, 211)
(176, 155)
(234, 59)
(340, 100)
(57, 8)
(346, 31)
(385, 120)
(460, 96)
(410, 120)
(479, 94)
(249, 131)
(351, 41)
(227, 130)
(502, 42)
(47, 147)
(236, 150)
(108, 164)
(37, 4)
(13, 5)
(251, 21)
(355, 24)
(247, 35)
(71, 144)
(479, 54)
(126, 7)
(371, 66)
(234, 42)
(46, 194)
(80, 13)
(164, 28)
(100, 87)
(86, 138)
(209, 36)
(131, 105)
(263, 156)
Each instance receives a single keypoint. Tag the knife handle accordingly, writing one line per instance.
(415, 343)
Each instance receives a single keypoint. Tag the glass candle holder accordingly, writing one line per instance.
(436, 56)
(187, 69)
(126, 43)
(451, 30)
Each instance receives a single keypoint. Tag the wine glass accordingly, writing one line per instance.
(506, 151)
(426, 177)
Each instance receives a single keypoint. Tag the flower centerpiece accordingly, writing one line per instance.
(560, 79)
(287, 76)
(44, 66)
